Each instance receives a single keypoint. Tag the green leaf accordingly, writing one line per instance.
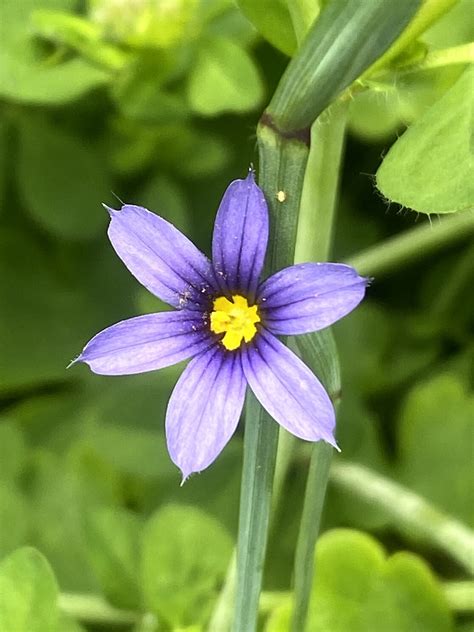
(12, 449)
(64, 192)
(13, 512)
(38, 83)
(134, 451)
(15, 15)
(273, 20)
(429, 169)
(64, 490)
(4, 141)
(356, 588)
(184, 559)
(377, 351)
(150, 103)
(174, 147)
(148, 24)
(25, 74)
(436, 445)
(347, 37)
(80, 34)
(71, 302)
(142, 91)
(163, 195)
(429, 12)
(224, 79)
(112, 547)
(28, 593)
(229, 22)
(67, 624)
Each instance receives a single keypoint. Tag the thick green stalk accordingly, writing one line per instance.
(410, 514)
(260, 445)
(282, 166)
(345, 40)
(413, 244)
(314, 238)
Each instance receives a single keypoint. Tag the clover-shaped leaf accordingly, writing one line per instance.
(357, 588)
(28, 593)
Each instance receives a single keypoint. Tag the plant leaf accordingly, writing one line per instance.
(224, 79)
(429, 169)
(28, 593)
(184, 559)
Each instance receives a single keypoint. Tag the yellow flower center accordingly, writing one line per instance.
(234, 318)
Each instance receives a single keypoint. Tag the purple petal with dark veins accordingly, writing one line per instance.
(146, 343)
(240, 237)
(309, 296)
(288, 390)
(164, 260)
(204, 409)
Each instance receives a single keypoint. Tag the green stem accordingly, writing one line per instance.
(222, 614)
(260, 444)
(321, 185)
(318, 350)
(463, 54)
(411, 514)
(413, 244)
(315, 493)
(460, 596)
(460, 277)
(94, 610)
(282, 166)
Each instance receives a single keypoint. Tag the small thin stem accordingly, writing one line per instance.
(463, 54)
(318, 350)
(315, 495)
(460, 595)
(411, 514)
(92, 609)
(413, 244)
(318, 202)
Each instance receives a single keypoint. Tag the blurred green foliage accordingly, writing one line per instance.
(156, 103)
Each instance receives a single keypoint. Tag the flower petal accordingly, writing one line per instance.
(309, 296)
(288, 390)
(164, 260)
(204, 409)
(146, 343)
(240, 237)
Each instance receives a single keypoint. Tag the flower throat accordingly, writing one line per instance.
(236, 319)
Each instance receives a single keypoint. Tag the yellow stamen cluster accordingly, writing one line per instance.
(234, 318)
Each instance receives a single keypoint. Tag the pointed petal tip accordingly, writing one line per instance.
(111, 211)
(185, 476)
(251, 174)
(75, 361)
(332, 442)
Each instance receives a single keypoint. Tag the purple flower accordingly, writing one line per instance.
(227, 321)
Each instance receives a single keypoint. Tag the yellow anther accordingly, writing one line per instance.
(234, 318)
